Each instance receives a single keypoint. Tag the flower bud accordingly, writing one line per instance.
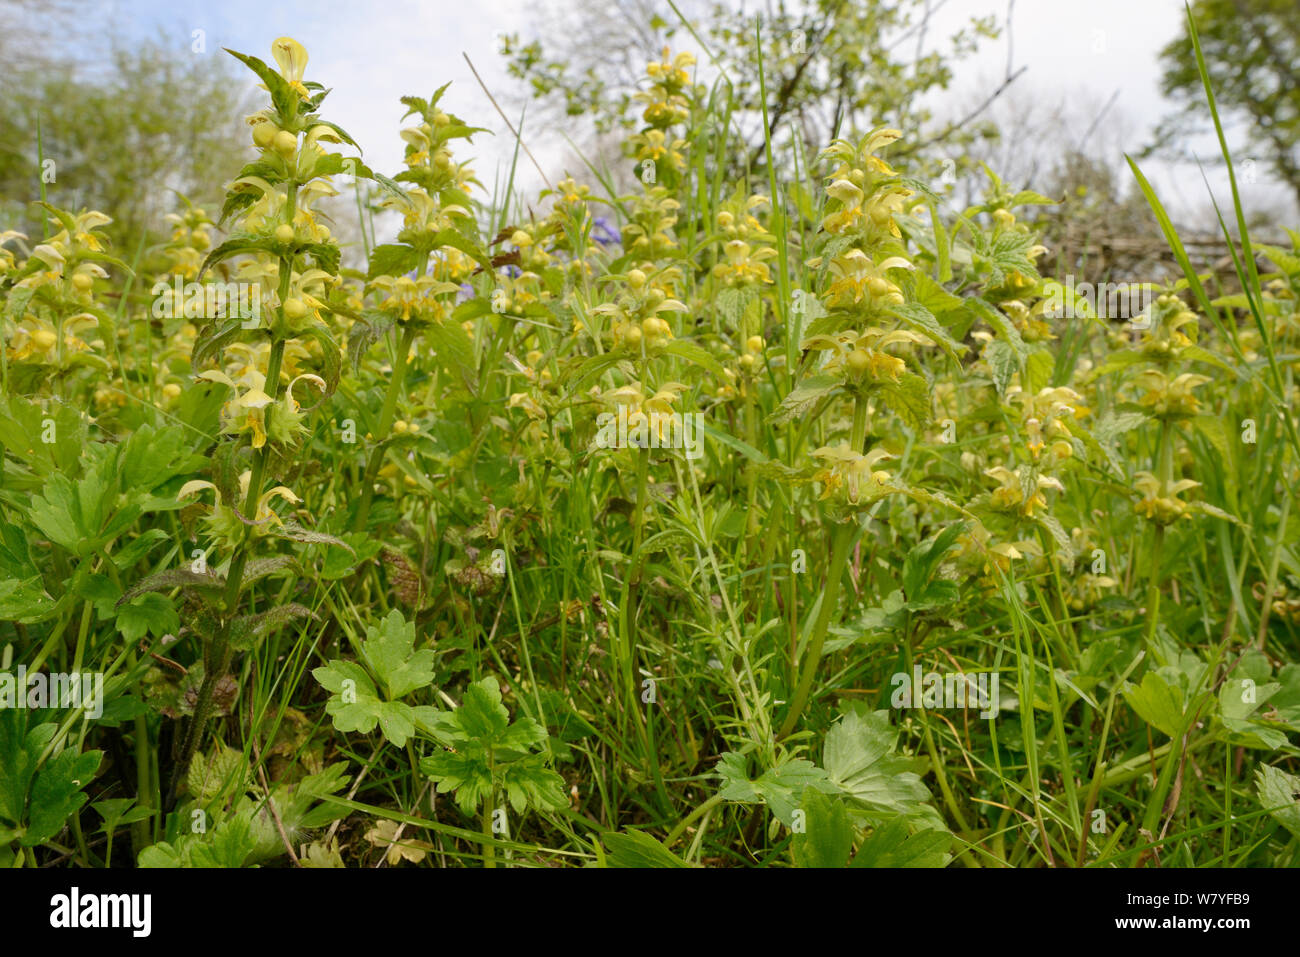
(858, 361)
(285, 143)
(264, 134)
(284, 233)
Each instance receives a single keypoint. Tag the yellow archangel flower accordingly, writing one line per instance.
(854, 471)
(1161, 506)
(856, 277)
(291, 58)
(1046, 415)
(1018, 491)
(863, 353)
(1171, 399)
(263, 513)
(244, 412)
(407, 297)
(744, 265)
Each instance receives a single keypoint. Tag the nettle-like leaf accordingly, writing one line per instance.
(1277, 792)
(211, 778)
(804, 396)
(490, 753)
(247, 630)
(356, 703)
(392, 259)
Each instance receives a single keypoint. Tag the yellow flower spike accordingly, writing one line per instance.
(291, 57)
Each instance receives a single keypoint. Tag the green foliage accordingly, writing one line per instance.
(359, 703)
(38, 793)
(487, 754)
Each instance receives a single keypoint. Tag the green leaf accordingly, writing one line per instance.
(283, 97)
(1277, 792)
(781, 788)
(923, 559)
(491, 753)
(247, 630)
(827, 836)
(37, 802)
(909, 397)
(212, 778)
(234, 246)
(892, 846)
(57, 793)
(637, 849)
(1157, 702)
(921, 319)
(392, 259)
(454, 350)
(1005, 329)
(859, 760)
(807, 393)
(173, 578)
(697, 355)
(1001, 358)
(529, 783)
(389, 650)
(147, 614)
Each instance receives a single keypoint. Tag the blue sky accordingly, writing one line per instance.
(1077, 51)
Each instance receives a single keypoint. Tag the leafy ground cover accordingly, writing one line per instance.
(799, 521)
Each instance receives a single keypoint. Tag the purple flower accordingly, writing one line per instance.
(466, 292)
(602, 230)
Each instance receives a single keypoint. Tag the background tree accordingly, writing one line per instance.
(124, 131)
(1252, 49)
(831, 67)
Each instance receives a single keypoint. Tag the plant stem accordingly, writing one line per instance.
(385, 427)
(844, 537)
(217, 656)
